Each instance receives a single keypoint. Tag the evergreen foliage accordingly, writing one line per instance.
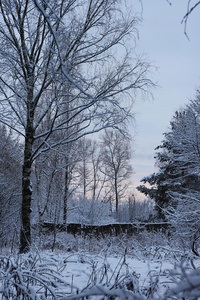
(175, 187)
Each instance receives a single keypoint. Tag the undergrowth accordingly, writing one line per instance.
(42, 274)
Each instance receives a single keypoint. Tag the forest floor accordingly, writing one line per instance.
(146, 267)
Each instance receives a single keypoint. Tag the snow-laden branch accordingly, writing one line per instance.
(62, 64)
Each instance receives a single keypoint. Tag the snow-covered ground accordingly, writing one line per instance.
(81, 270)
(152, 272)
(75, 273)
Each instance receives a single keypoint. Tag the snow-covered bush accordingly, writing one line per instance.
(24, 278)
(185, 217)
(185, 280)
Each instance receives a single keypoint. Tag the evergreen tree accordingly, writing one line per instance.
(178, 161)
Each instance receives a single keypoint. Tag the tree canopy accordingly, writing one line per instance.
(61, 77)
(175, 187)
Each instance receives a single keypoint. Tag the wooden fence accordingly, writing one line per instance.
(109, 229)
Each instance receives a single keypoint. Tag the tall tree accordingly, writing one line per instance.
(157, 185)
(179, 171)
(83, 169)
(97, 182)
(71, 160)
(48, 187)
(43, 45)
(115, 157)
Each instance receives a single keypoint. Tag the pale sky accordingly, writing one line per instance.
(178, 60)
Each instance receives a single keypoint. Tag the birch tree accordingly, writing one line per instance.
(97, 180)
(115, 156)
(47, 45)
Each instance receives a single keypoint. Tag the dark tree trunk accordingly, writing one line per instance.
(66, 193)
(84, 178)
(116, 194)
(25, 235)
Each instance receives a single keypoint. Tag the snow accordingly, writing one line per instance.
(135, 271)
(92, 274)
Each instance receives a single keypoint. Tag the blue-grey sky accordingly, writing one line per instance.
(178, 61)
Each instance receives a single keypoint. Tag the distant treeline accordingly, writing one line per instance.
(109, 229)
